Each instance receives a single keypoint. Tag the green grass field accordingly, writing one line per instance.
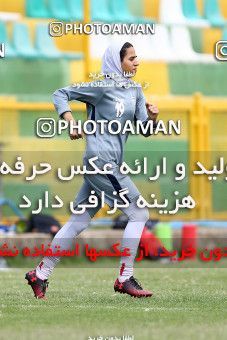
(188, 303)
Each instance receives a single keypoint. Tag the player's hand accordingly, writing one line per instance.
(152, 111)
(74, 134)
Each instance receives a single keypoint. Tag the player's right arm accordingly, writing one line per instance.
(69, 117)
(85, 93)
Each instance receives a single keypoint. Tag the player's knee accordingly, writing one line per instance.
(139, 215)
(144, 214)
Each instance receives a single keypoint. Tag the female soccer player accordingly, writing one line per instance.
(117, 98)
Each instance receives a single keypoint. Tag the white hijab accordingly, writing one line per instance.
(111, 61)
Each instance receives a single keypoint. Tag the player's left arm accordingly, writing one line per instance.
(145, 111)
(152, 111)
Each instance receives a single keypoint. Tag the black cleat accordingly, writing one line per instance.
(38, 286)
(131, 287)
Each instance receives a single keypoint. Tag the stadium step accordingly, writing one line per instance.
(37, 9)
(58, 10)
(213, 14)
(9, 50)
(22, 43)
(190, 11)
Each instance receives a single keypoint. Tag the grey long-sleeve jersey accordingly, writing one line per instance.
(108, 101)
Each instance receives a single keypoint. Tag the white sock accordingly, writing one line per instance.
(131, 238)
(65, 239)
(125, 272)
